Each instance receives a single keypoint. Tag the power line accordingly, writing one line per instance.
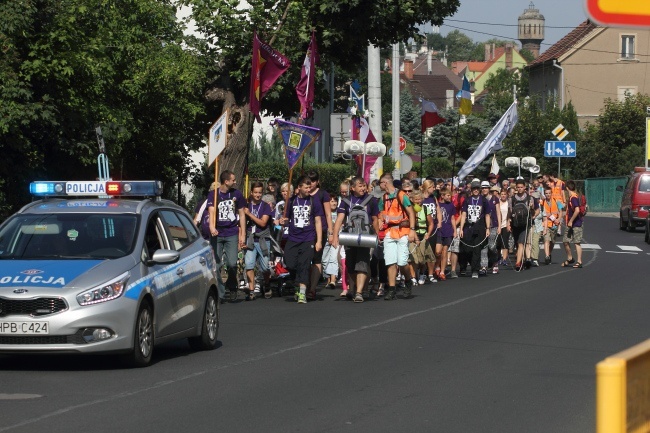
(505, 25)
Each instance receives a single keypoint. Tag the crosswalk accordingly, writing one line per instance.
(620, 249)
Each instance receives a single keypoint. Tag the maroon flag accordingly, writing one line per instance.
(305, 87)
(267, 66)
(430, 115)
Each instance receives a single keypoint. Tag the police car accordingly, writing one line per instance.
(104, 266)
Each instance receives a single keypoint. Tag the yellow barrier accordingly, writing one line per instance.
(623, 391)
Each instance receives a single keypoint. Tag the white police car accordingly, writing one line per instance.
(97, 267)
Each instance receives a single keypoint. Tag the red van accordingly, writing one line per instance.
(635, 203)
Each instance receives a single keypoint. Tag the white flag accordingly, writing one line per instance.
(492, 142)
(495, 165)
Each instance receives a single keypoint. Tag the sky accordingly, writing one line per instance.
(561, 16)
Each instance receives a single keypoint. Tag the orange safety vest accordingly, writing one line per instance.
(557, 191)
(395, 216)
(551, 209)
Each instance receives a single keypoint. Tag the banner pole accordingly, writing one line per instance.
(216, 191)
(248, 147)
(286, 202)
(421, 157)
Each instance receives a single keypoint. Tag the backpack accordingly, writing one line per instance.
(358, 221)
(520, 216)
(584, 207)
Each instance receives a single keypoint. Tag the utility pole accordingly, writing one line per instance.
(396, 127)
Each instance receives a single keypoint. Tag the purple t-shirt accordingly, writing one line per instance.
(429, 203)
(301, 214)
(258, 210)
(204, 218)
(324, 198)
(447, 211)
(227, 213)
(574, 203)
(494, 208)
(475, 209)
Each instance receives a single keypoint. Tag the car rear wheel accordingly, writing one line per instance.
(143, 337)
(621, 223)
(631, 226)
(210, 327)
(647, 233)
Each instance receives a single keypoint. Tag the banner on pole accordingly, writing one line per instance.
(296, 138)
(217, 138)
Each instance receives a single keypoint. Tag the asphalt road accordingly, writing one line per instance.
(515, 352)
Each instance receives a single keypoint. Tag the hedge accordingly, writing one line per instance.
(331, 174)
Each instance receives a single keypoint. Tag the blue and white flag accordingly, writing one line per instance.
(493, 141)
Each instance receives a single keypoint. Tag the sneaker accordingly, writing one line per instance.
(547, 260)
(518, 266)
(527, 264)
(408, 288)
(422, 280)
(358, 297)
(257, 289)
(474, 274)
(330, 286)
(432, 279)
(296, 294)
(242, 284)
(390, 293)
(482, 272)
(453, 275)
(495, 269)
(302, 299)
(250, 296)
(535, 263)
(414, 282)
(401, 284)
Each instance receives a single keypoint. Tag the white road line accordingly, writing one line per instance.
(621, 252)
(591, 247)
(629, 248)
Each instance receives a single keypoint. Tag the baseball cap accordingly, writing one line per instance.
(485, 184)
(475, 183)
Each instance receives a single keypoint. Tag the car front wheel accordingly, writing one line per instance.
(207, 340)
(143, 337)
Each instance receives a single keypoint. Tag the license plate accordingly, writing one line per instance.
(24, 328)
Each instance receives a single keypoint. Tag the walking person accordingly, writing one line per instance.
(524, 209)
(574, 232)
(258, 215)
(304, 215)
(227, 229)
(552, 221)
(398, 220)
(323, 198)
(474, 226)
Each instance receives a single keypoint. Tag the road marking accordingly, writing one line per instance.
(261, 357)
(19, 396)
(591, 247)
(621, 252)
(628, 248)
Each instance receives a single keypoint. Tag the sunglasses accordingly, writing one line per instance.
(407, 190)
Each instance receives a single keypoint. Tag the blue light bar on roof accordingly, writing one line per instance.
(143, 188)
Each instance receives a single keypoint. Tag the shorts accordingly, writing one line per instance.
(551, 232)
(445, 241)
(318, 255)
(576, 238)
(421, 253)
(396, 251)
(255, 255)
(519, 234)
(503, 240)
(357, 259)
(454, 247)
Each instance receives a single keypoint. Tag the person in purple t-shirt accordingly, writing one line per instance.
(446, 232)
(357, 259)
(304, 216)
(258, 214)
(573, 233)
(227, 230)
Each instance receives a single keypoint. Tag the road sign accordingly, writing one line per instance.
(560, 149)
(616, 12)
(560, 132)
(402, 144)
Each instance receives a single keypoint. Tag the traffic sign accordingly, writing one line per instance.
(617, 12)
(560, 149)
(560, 132)
(402, 144)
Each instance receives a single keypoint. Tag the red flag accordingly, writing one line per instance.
(305, 87)
(430, 115)
(267, 66)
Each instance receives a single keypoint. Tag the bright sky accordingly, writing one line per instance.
(561, 17)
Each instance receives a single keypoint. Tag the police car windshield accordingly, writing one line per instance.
(67, 236)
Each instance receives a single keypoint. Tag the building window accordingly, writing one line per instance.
(627, 47)
(624, 92)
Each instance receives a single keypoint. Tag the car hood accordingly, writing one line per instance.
(42, 273)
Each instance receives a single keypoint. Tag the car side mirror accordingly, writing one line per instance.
(164, 257)
(619, 188)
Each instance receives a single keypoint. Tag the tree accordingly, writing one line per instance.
(499, 87)
(459, 46)
(227, 29)
(63, 74)
(527, 55)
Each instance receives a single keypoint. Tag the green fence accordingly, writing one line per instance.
(602, 195)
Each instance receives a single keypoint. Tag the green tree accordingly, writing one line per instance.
(267, 149)
(459, 46)
(287, 26)
(409, 119)
(527, 55)
(499, 87)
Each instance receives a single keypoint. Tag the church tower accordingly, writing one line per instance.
(531, 29)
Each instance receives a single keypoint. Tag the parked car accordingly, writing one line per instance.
(97, 274)
(635, 203)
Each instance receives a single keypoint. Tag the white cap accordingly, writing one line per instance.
(485, 184)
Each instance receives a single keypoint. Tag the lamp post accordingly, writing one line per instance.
(357, 147)
(527, 163)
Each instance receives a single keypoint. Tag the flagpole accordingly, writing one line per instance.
(421, 158)
(248, 147)
(453, 164)
(286, 202)
(216, 191)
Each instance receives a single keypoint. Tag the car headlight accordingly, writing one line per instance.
(105, 292)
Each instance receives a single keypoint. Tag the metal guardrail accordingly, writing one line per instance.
(623, 391)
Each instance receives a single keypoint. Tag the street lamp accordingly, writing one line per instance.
(358, 147)
(527, 163)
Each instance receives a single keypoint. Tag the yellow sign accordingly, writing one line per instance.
(620, 12)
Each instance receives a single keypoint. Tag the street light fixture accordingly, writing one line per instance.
(358, 147)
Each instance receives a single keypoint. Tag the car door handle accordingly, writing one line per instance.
(180, 271)
(202, 261)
